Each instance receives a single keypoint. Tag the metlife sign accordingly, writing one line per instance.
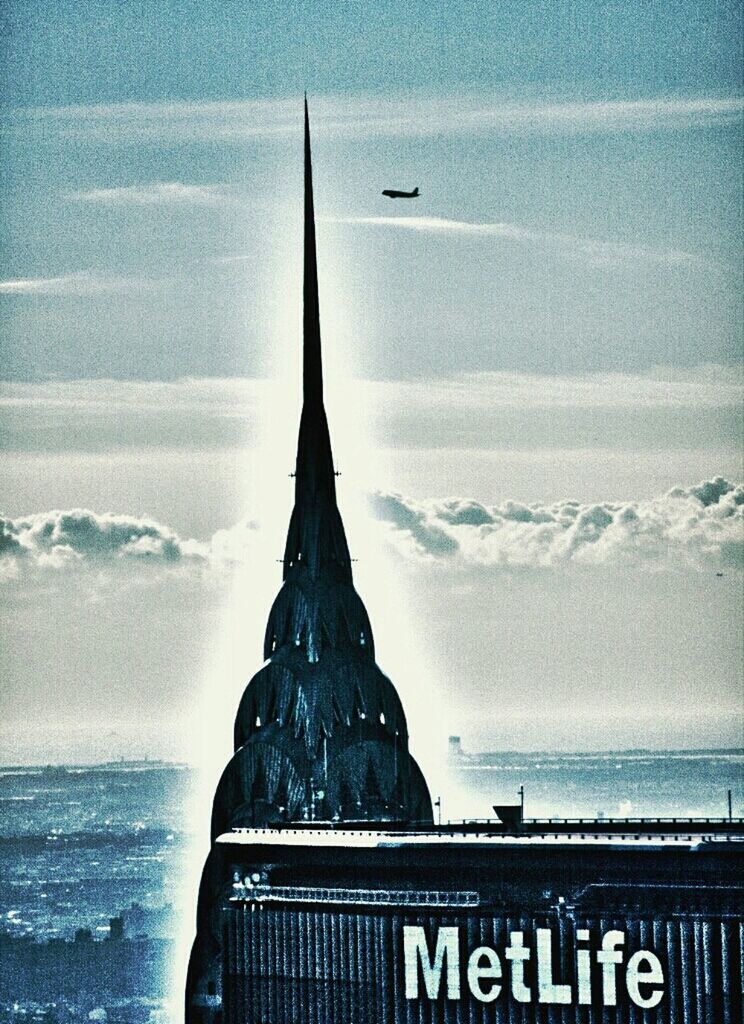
(432, 929)
(605, 971)
(317, 963)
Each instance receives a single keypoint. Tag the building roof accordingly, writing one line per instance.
(340, 838)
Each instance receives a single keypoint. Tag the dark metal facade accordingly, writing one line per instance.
(293, 964)
(320, 732)
(312, 924)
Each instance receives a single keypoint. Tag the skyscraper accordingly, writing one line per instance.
(320, 733)
(330, 897)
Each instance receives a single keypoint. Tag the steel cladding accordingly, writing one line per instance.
(319, 964)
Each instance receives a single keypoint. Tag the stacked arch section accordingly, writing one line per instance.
(318, 700)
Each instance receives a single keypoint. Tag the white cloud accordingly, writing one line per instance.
(80, 283)
(708, 386)
(78, 538)
(664, 387)
(696, 528)
(594, 250)
(410, 115)
(226, 396)
(61, 538)
(157, 194)
(618, 115)
(700, 528)
(476, 412)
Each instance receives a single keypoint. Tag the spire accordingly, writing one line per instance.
(312, 365)
(315, 475)
(316, 534)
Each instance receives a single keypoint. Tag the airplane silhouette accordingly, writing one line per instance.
(393, 193)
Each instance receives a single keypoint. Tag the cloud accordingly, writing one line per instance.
(699, 528)
(63, 539)
(80, 283)
(709, 492)
(158, 194)
(77, 539)
(706, 386)
(613, 115)
(414, 521)
(361, 116)
(487, 412)
(594, 250)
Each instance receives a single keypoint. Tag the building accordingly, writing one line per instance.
(454, 749)
(320, 733)
(329, 897)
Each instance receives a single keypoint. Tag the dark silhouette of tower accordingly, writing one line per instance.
(320, 733)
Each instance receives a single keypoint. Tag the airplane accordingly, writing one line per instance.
(393, 193)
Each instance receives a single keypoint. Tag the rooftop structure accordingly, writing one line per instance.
(333, 924)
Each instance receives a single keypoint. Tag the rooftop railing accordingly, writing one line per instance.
(379, 897)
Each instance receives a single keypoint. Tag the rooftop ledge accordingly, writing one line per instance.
(379, 839)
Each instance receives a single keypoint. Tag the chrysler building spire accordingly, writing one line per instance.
(312, 368)
(314, 460)
(320, 732)
(316, 534)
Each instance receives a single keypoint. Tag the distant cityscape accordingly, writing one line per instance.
(92, 861)
(90, 884)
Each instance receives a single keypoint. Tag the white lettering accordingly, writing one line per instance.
(478, 972)
(547, 990)
(653, 975)
(517, 952)
(440, 966)
(609, 956)
(583, 969)
(415, 951)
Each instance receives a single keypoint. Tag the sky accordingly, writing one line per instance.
(533, 370)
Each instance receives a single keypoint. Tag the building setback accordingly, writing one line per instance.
(329, 897)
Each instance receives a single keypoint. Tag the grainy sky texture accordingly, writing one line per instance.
(534, 369)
